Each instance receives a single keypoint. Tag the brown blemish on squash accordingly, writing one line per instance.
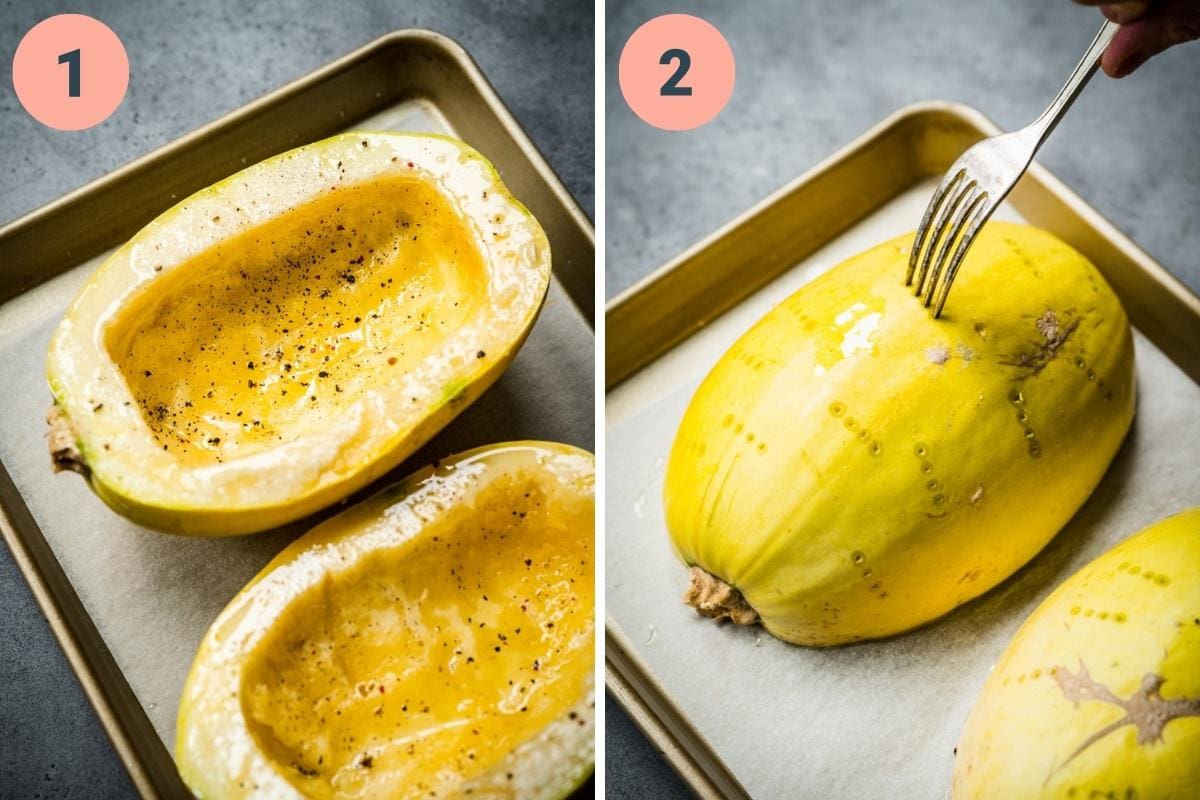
(971, 576)
(1054, 335)
(715, 599)
(1145, 709)
(61, 439)
(1047, 325)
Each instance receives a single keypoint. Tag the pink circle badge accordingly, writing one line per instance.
(70, 72)
(676, 72)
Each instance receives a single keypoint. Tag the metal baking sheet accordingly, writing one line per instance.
(738, 712)
(130, 605)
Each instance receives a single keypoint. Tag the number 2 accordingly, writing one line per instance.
(671, 88)
(71, 59)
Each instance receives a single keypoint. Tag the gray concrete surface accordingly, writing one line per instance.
(190, 63)
(813, 75)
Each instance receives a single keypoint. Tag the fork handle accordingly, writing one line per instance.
(1082, 73)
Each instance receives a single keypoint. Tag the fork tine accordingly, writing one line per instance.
(978, 182)
(974, 195)
(944, 216)
(978, 218)
(935, 203)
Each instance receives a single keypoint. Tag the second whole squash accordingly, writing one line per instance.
(1098, 695)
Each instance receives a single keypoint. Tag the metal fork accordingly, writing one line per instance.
(980, 179)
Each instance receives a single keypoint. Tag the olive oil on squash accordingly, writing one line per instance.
(423, 666)
(278, 329)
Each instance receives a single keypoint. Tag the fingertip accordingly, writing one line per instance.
(1118, 65)
(1110, 66)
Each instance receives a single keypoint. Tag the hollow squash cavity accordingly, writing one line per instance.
(275, 331)
(423, 666)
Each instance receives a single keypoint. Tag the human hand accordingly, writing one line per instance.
(1148, 28)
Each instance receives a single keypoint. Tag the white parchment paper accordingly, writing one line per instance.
(152, 596)
(872, 720)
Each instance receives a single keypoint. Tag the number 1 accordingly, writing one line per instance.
(71, 59)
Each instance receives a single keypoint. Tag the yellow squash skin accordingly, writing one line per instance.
(855, 468)
(279, 340)
(436, 640)
(1098, 695)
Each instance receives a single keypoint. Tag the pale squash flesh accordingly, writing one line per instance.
(853, 468)
(282, 338)
(437, 638)
(1098, 695)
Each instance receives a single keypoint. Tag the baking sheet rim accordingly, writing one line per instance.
(701, 769)
(52, 590)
